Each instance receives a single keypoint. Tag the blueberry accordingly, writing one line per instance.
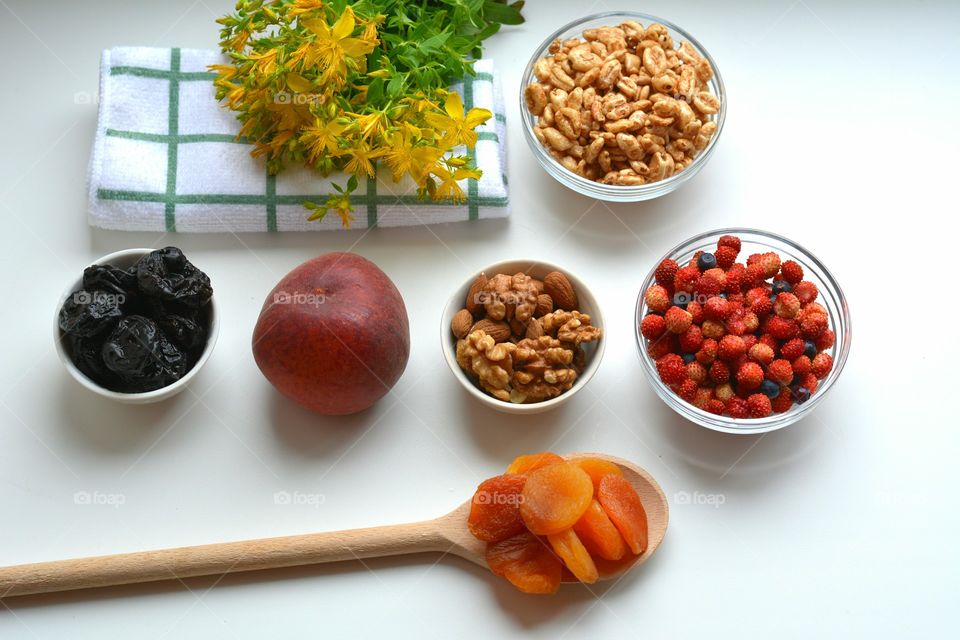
(801, 394)
(773, 298)
(770, 389)
(781, 286)
(706, 261)
(809, 349)
(689, 357)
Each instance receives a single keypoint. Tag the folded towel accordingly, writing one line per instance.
(166, 158)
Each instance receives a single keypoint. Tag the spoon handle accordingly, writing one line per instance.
(222, 558)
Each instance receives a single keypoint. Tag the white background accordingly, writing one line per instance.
(842, 135)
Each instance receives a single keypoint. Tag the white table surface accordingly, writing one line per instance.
(841, 134)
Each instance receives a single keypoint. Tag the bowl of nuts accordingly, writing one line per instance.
(522, 336)
(622, 106)
(742, 330)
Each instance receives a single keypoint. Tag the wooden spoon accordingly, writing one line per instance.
(447, 534)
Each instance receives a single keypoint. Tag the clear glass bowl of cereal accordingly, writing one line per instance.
(648, 149)
(821, 288)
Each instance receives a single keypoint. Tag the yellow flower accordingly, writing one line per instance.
(322, 137)
(448, 187)
(457, 127)
(371, 124)
(360, 157)
(336, 49)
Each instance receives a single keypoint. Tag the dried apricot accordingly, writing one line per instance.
(596, 468)
(554, 497)
(575, 556)
(495, 509)
(532, 462)
(527, 562)
(598, 533)
(622, 505)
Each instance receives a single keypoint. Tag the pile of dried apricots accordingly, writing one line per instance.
(547, 514)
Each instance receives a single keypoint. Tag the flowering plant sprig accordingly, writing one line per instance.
(340, 85)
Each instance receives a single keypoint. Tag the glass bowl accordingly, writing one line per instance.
(831, 297)
(619, 193)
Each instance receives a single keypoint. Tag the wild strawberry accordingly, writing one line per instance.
(719, 372)
(671, 368)
(709, 285)
(694, 258)
(716, 308)
(751, 321)
(713, 329)
(801, 366)
(652, 326)
(726, 256)
(723, 392)
(735, 277)
(715, 406)
(737, 407)
(792, 349)
(697, 372)
(702, 397)
(754, 294)
(770, 262)
(736, 327)
(695, 309)
(754, 258)
(759, 406)
(691, 339)
(810, 382)
(686, 278)
(762, 353)
(786, 305)
(730, 348)
(749, 340)
(792, 271)
(663, 345)
(813, 324)
(755, 275)
(815, 307)
(677, 319)
(735, 298)
(781, 328)
(780, 372)
(687, 389)
(657, 298)
(805, 291)
(762, 306)
(729, 241)
(666, 272)
(719, 275)
(821, 365)
(749, 376)
(769, 340)
(708, 352)
(825, 340)
(783, 402)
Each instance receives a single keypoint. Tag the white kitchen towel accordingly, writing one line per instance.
(166, 158)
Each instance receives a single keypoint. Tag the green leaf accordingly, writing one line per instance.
(502, 13)
(352, 184)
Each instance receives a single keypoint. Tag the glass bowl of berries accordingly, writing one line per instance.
(742, 330)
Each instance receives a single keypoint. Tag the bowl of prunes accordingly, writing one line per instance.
(138, 325)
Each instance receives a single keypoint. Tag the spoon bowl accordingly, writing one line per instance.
(446, 534)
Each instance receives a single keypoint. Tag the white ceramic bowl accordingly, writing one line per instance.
(122, 260)
(588, 305)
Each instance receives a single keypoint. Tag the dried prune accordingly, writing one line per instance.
(105, 277)
(141, 356)
(166, 274)
(85, 354)
(495, 510)
(554, 497)
(185, 326)
(89, 313)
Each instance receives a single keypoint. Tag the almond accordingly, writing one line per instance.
(538, 284)
(499, 331)
(474, 297)
(544, 305)
(461, 323)
(558, 287)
